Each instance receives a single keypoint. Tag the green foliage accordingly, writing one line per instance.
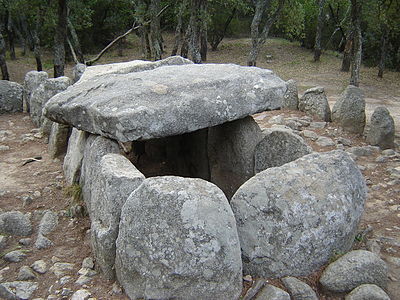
(74, 191)
(291, 24)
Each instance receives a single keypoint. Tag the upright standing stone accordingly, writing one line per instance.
(116, 180)
(291, 97)
(349, 110)
(178, 240)
(73, 158)
(292, 219)
(315, 103)
(381, 129)
(231, 151)
(58, 140)
(10, 96)
(278, 146)
(32, 80)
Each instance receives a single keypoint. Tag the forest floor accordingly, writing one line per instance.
(39, 186)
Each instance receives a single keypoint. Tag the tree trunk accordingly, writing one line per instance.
(60, 39)
(185, 43)
(3, 64)
(347, 51)
(178, 29)
(155, 32)
(195, 25)
(320, 23)
(357, 45)
(11, 36)
(203, 31)
(258, 39)
(384, 40)
(75, 42)
(219, 36)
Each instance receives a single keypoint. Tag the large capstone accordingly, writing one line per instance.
(116, 180)
(165, 101)
(178, 240)
(10, 96)
(292, 219)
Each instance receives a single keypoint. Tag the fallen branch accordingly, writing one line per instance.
(31, 159)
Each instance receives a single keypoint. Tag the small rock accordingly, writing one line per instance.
(43, 242)
(65, 279)
(61, 269)
(55, 259)
(3, 242)
(276, 120)
(83, 279)
(363, 151)
(248, 278)
(381, 159)
(4, 148)
(48, 222)
(374, 247)
(25, 273)
(88, 263)
(325, 142)
(367, 292)
(25, 242)
(310, 134)
(26, 200)
(298, 289)
(317, 125)
(270, 292)
(382, 129)
(353, 269)
(37, 194)
(343, 141)
(15, 223)
(116, 289)
(15, 256)
(388, 152)
(81, 295)
(65, 292)
(87, 272)
(17, 289)
(39, 266)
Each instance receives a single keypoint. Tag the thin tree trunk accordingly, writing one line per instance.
(11, 36)
(219, 36)
(75, 42)
(179, 28)
(384, 40)
(357, 46)
(320, 23)
(347, 51)
(155, 33)
(3, 64)
(203, 31)
(60, 39)
(185, 42)
(195, 24)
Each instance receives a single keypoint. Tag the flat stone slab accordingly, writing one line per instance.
(165, 101)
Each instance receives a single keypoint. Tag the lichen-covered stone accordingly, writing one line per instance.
(11, 94)
(315, 103)
(291, 97)
(73, 159)
(381, 129)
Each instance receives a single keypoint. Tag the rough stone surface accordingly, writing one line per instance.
(353, 269)
(48, 222)
(58, 139)
(381, 130)
(278, 147)
(231, 153)
(270, 292)
(10, 96)
(298, 289)
(77, 72)
(43, 93)
(169, 100)
(15, 223)
(39, 266)
(15, 256)
(291, 97)
(310, 134)
(367, 292)
(349, 110)
(26, 273)
(61, 269)
(81, 295)
(314, 102)
(116, 180)
(43, 242)
(292, 219)
(96, 147)
(17, 290)
(32, 80)
(324, 141)
(178, 239)
(73, 158)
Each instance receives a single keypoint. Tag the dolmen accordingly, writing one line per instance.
(184, 190)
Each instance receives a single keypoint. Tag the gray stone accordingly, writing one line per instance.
(78, 71)
(58, 139)
(17, 290)
(178, 239)
(10, 96)
(349, 110)
(46, 126)
(367, 292)
(48, 222)
(344, 141)
(88, 263)
(315, 103)
(61, 269)
(3, 242)
(25, 273)
(15, 223)
(39, 96)
(270, 292)
(363, 151)
(310, 134)
(15, 256)
(279, 119)
(4, 148)
(65, 279)
(87, 272)
(73, 158)
(96, 147)
(231, 153)
(353, 269)
(381, 129)
(317, 125)
(299, 290)
(43, 242)
(291, 97)
(278, 147)
(32, 80)
(83, 279)
(116, 180)
(324, 141)
(39, 266)
(292, 219)
(388, 152)
(168, 100)
(81, 295)
(65, 292)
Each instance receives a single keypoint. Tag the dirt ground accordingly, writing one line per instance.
(39, 185)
